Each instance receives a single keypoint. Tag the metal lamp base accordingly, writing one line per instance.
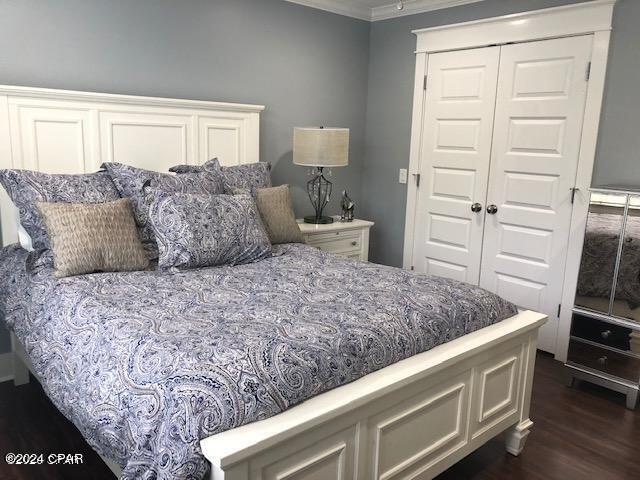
(322, 220)
(319, 190)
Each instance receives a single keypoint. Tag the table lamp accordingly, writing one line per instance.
(320, 148)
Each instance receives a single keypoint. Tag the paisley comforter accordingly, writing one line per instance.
(146, 364)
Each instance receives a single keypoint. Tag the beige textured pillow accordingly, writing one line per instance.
(274, 205)
(92, 237)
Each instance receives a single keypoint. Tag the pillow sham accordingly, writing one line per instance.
(26, 188)
(249, 176)
(196, 230)
(130, 182)
(209, 165)
(87, 238)
(276, 212)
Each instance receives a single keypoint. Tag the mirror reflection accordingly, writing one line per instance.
(600, 250)
(627, 298)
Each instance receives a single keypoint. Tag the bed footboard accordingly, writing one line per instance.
(413, 419)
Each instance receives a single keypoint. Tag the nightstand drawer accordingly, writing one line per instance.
(601, 332)
(333, 236)
(349, 239)
(338, 242)
(604, 360)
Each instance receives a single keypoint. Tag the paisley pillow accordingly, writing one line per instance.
(130, 182)
(209, 165)
(196, 230)
(249, 176)
(26, 187)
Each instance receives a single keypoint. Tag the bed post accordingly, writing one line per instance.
(516, 436)
(20, 369)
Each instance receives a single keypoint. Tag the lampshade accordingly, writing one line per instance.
(321, 147)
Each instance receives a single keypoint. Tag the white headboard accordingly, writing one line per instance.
(60, 131)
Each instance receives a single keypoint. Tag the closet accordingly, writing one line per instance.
(496, 153)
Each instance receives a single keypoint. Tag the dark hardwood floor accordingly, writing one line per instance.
(580, 433)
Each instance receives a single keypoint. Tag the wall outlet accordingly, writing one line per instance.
(402, 178)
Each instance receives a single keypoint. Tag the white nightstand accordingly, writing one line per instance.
(350, 239)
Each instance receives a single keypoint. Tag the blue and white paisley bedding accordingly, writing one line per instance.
(195, 230)
(146, 364)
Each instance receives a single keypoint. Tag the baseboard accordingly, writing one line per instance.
(6, 367)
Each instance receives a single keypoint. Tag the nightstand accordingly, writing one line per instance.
(350, 239)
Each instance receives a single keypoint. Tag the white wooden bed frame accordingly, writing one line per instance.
(412, 419)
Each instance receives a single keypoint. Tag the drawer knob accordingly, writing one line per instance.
(354, 243)
(603, 360)
(606, 334)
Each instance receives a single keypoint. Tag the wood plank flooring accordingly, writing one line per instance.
(580, 433)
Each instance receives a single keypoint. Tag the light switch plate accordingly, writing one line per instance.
(403, 175)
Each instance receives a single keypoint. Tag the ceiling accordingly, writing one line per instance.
(374, 10)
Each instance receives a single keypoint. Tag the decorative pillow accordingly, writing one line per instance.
(276, 211)
(206, 183)
(208, 166)
(195, 230)
(26, 187)
(250, 176)
(88, 238)
(131, 180)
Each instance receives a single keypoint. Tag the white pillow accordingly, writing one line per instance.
(24, 238)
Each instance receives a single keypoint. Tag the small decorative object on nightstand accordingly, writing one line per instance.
(347, 208)
(350, 239)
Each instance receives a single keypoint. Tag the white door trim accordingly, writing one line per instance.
(562, 21)
(583, 18)
(588, 145)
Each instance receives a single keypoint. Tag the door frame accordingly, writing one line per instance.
(588, 18)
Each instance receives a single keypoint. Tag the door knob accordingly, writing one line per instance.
(476, 207)
(492, 209)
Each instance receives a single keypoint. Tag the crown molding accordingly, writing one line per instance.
(413, 7)
(336, 6)
(350, 9)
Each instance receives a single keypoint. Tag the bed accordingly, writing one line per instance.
(304, 365)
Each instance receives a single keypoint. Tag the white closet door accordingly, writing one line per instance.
(542, 88)
(454, 165)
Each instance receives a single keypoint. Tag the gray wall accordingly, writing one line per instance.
(390, 97)
(307, 66)
(618, 153)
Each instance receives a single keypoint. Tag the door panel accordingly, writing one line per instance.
(540, 101)
(456, 148)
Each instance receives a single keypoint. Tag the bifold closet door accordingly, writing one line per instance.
(542, 89)
(455, 157)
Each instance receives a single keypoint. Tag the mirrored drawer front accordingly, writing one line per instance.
(604, 360)
(603, 333)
